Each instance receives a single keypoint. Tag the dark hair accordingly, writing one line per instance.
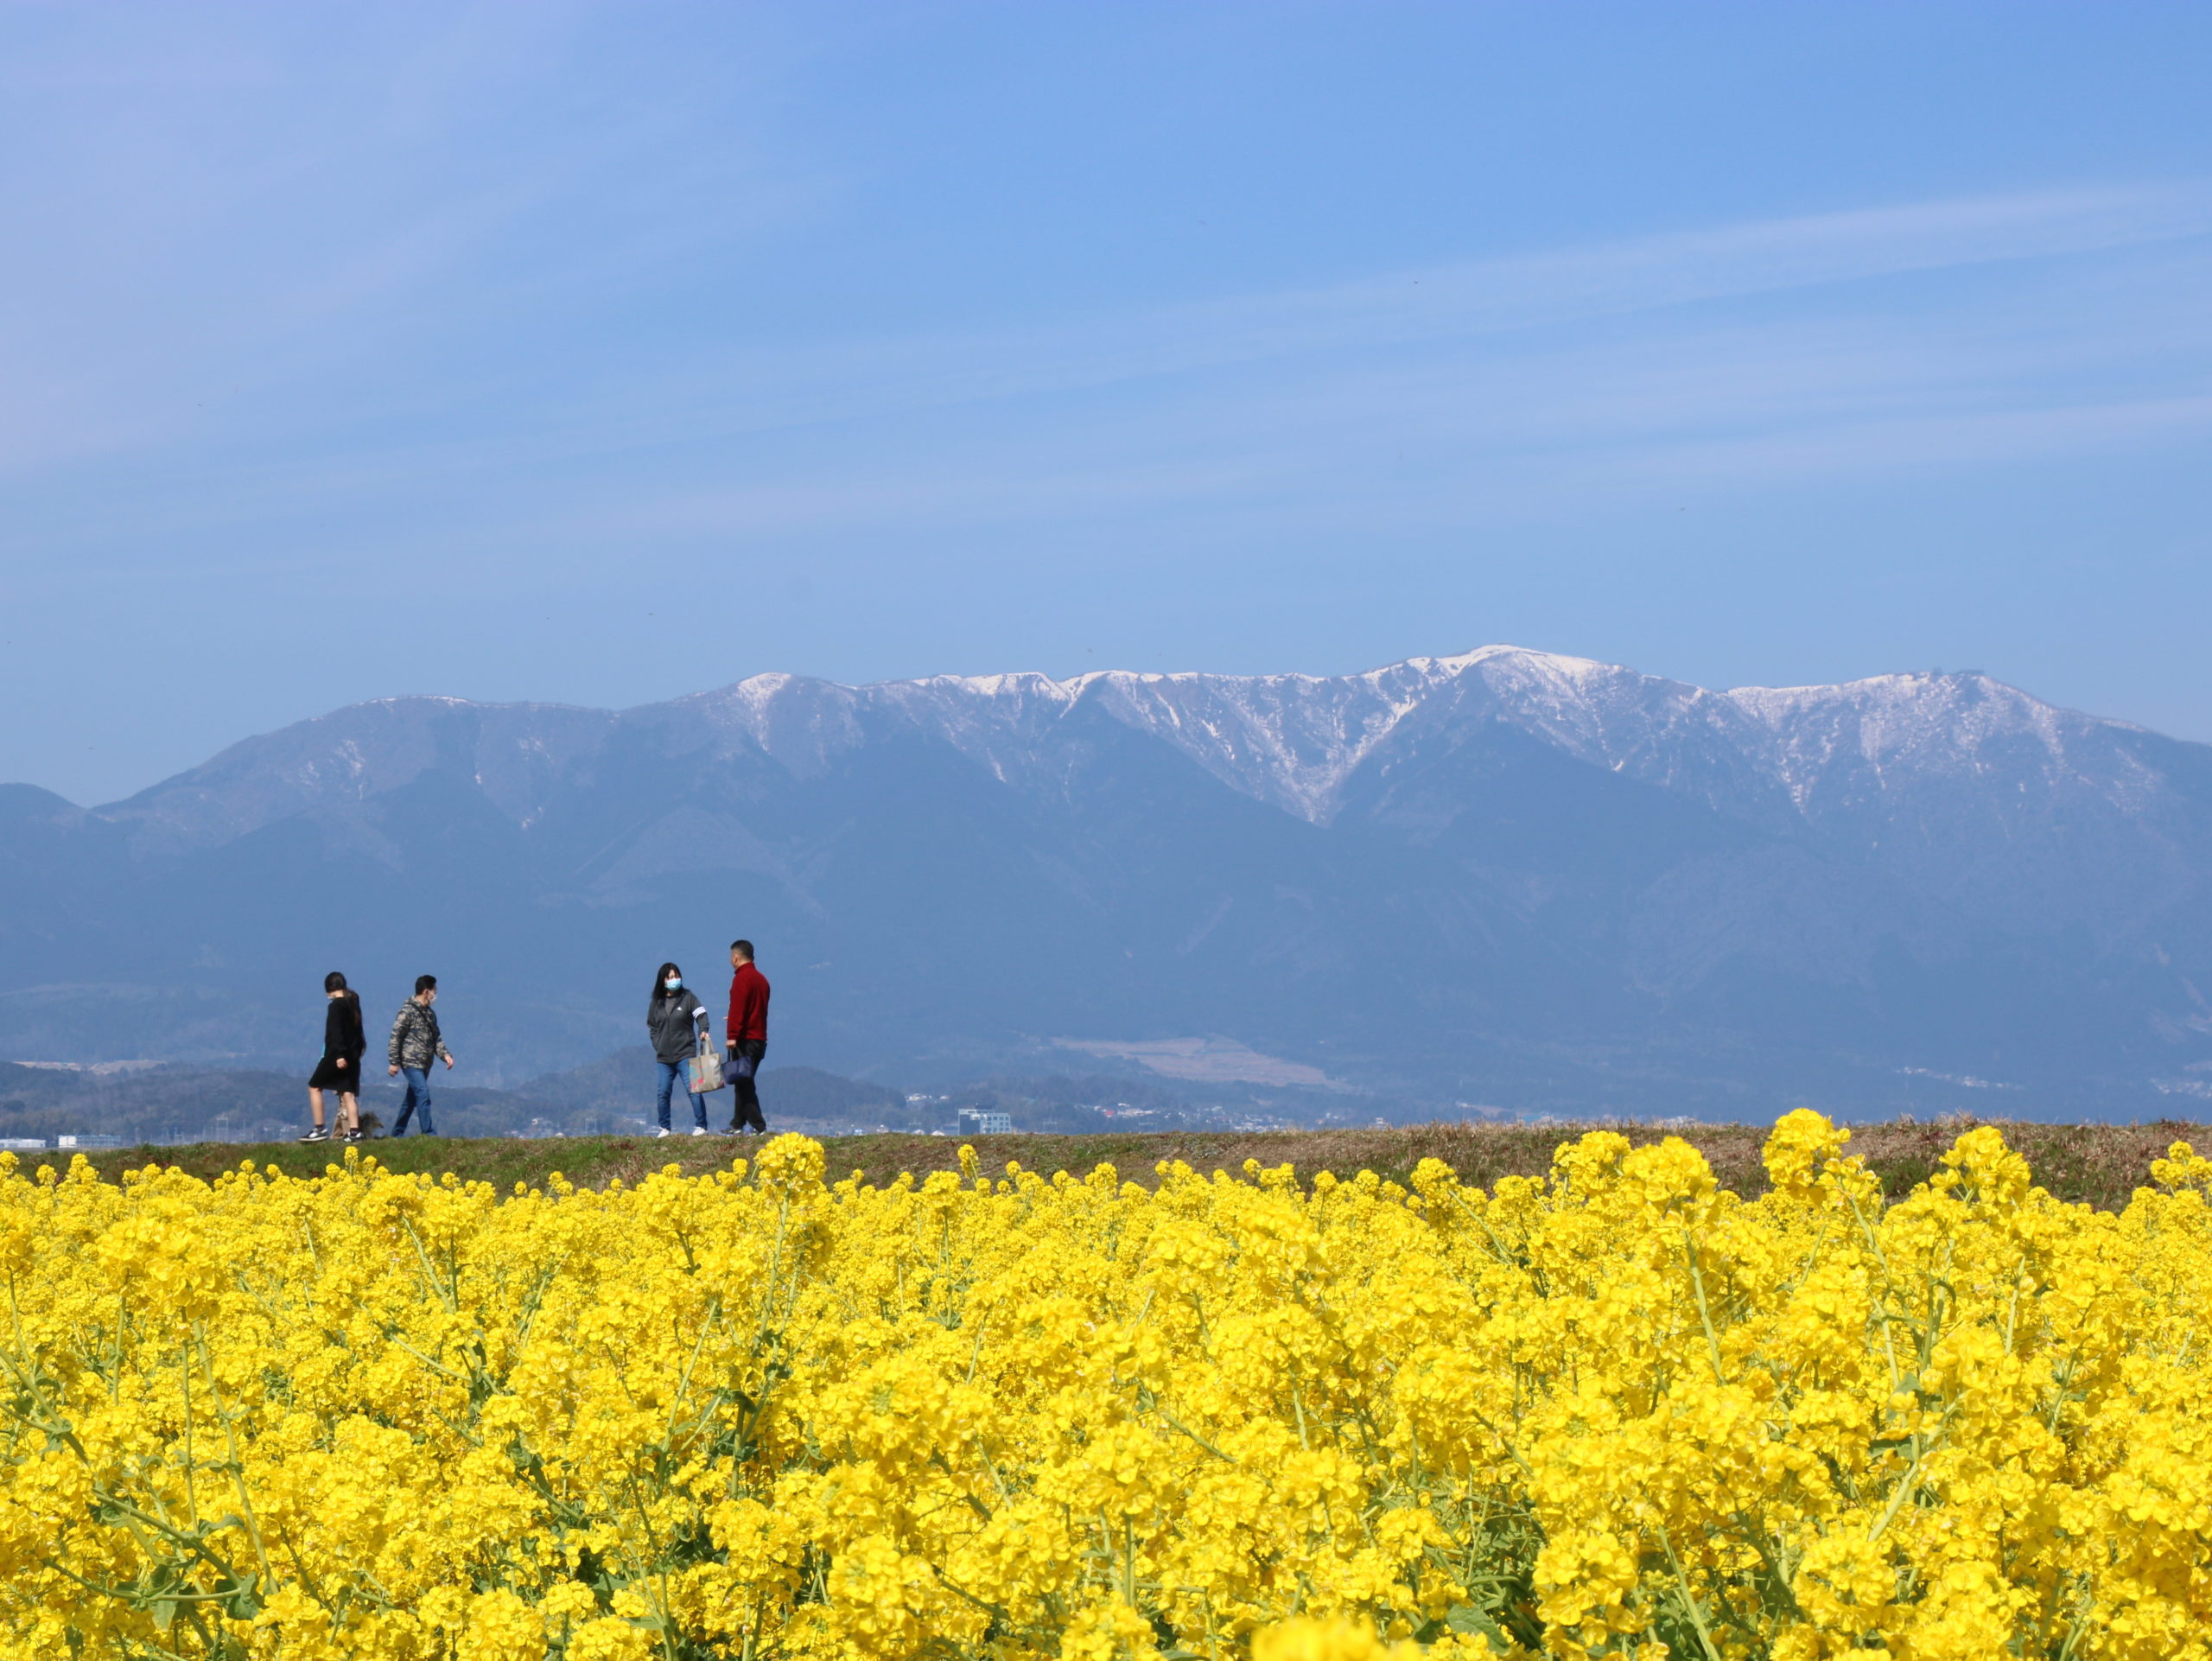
(425, 983)
(746, 947)
(334, 982)
(662, 974)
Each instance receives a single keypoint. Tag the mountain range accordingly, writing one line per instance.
(1507, 880)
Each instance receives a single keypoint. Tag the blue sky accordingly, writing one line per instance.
(597, 355)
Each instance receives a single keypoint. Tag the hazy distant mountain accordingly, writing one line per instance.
(1508, 878)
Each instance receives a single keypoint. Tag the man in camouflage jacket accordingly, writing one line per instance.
(416, 1042)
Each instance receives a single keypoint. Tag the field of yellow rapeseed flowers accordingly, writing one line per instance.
(1617, 1411)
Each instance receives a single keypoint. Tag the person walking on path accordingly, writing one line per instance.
(417, 1042)
(343, 1046)
(679, 1025)
(746, 1032)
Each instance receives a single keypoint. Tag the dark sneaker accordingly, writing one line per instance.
(319, 1134)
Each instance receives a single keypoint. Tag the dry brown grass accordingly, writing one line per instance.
(2100, 1164)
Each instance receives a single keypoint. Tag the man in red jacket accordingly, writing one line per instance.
(747, 1032)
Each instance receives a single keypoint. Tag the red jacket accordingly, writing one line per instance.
(748, 1006)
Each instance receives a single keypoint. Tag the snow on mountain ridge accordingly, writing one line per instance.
(1290, 740)
(1913, 725)
(1295, 740)
(1944, 781)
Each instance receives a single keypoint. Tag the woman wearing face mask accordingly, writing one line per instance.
(343, 1044)
(678, 1021)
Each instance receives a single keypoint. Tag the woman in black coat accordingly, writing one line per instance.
(678, 1021)
(344, 1043)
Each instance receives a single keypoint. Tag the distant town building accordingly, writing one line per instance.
(975, 1121)
(91, 1139)
(24, 1144)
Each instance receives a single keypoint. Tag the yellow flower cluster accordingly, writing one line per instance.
(1616, 1412)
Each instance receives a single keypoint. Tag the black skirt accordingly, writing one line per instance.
(328, 1075)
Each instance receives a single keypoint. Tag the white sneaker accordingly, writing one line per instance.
(664, 1132)
(698, 1130)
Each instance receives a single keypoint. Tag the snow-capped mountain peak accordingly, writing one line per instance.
(1293, 740)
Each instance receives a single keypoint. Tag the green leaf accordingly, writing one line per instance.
(1467, 1618)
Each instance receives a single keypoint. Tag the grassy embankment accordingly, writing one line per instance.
(2101, 1164)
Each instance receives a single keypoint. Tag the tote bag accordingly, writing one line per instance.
(704, 1071)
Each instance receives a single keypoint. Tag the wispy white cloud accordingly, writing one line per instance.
(231, 238)
(280, 386)
(2069, 358)
(846, 380)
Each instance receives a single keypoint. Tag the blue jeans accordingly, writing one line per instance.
(671, 1075)
(417, 1100)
